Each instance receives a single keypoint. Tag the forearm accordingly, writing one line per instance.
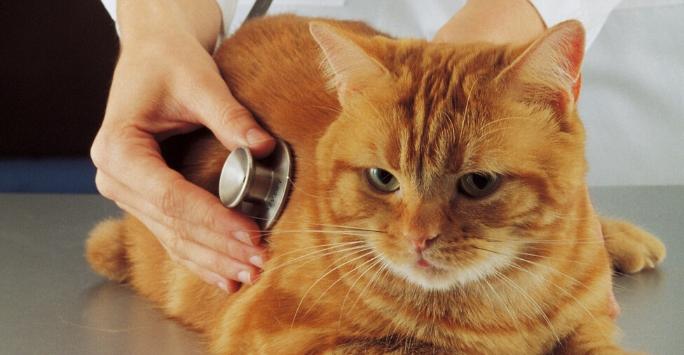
(140, 20)
(496, 21)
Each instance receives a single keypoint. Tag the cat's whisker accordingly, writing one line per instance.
(548, 267)
(580, 303)
(514, 319)
(306, 293)
(621, 274)
(567, 217)
(365, 263)
(525, 312)
(532, 301)
(344, 301)
(321, 230)
(346, 243)
(546, 241)
(314, 254)
(554, 258)
(365, 288)
(352, 233)
(338, 226)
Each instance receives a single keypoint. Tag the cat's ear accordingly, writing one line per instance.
(548, 72)
(350, 68)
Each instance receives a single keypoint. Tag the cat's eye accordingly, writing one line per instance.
(382, 180)
(476, 185)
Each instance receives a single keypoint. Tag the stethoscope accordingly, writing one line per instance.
(257, 188)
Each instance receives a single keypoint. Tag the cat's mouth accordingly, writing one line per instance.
(427, 264)
(431, 272)
(422, 263)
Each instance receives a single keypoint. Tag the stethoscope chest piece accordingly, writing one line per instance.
(257, 188)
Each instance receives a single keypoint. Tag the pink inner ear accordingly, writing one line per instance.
(575, 54)
(549, 70)
(349, 66)
(576, 88)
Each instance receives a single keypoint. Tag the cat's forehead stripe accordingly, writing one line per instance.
(437, 94)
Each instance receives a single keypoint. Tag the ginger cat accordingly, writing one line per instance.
(439, 203)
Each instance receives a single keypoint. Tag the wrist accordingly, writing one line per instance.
(149, 21)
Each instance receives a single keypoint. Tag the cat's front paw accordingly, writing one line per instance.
(631, 248)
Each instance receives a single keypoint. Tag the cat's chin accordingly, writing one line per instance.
(433, 276)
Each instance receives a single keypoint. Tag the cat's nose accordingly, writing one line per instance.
(421, 243)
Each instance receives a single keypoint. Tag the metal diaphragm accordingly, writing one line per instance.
(257, 188)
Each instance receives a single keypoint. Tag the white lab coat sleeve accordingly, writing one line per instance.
(592, 13)
(227, 13)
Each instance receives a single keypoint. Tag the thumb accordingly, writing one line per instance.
(232, 124)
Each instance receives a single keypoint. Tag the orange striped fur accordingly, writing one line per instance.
(522, 271)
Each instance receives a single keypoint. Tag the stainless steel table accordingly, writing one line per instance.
(51, 303)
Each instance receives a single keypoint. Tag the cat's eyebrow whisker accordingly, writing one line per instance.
(306, 293)
(482, 128)
(465, 110)
(482, 137)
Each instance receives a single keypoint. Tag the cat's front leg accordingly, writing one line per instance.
(631, 248)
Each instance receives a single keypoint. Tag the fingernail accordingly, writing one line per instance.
(257, 261)
(222, 285)
(243, 237)
(244, 277)
(256, 136)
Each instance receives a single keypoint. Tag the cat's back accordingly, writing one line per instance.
(272, 65)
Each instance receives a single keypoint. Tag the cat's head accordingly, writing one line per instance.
(457, 156)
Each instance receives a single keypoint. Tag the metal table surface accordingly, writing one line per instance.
(51, 303)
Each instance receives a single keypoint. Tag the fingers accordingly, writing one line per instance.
(244, 250)
(232, 124)
(183, 227)
(218, 244)
(211, 278)
(137, 164)
(209, 264)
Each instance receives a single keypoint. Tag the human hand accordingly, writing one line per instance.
(166, 83)
(513, 22)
